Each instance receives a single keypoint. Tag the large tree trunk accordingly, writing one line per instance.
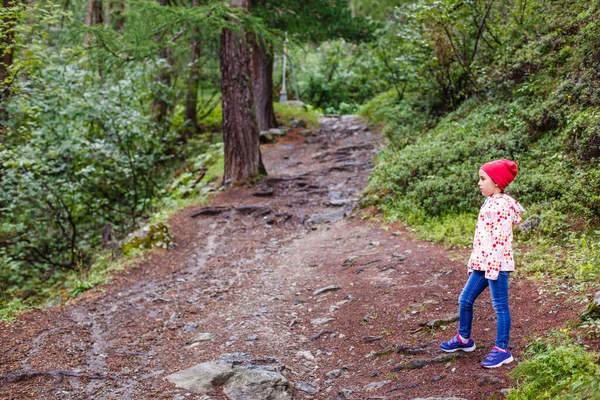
(191, 99)
(240, 129)
(6, 61)
(262, 81)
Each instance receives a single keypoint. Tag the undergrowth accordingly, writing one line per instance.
(287, 112)
(557, 367)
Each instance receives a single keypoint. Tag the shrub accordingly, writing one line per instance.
(557, 371)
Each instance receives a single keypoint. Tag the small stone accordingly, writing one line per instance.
(375, 385)
(298, 301)
(374, 243)
(190, 326)
(252, 338)
(350, 261)
(202, 337)
(437, 378)
(321, 321)
(305, 354)
(327, 289)
(305, 387)
(306, 132)
(401, 257)
(336, 373)
(277, 132)
(333, 308)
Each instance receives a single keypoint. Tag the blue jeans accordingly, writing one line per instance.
(499, 291)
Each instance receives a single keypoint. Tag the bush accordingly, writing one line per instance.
(557, 371)
(81, 158)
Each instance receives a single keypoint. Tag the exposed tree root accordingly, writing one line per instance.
(57, 375)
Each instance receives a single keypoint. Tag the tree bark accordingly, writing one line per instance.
(262, 82)
(191, 99)
(120, 20)
(240, 129)
(93, 16)
(6, 61)
(160, 105)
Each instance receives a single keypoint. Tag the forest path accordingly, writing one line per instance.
(247, 273)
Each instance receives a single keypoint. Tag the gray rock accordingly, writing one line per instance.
(241, 378)
(202, 337)
(321, 321)
(436, 323)
(331, 288)
(439, 398)
(306, 132)
(345, 394)
(190, 326)
(336, 373)
(349, 117)
(327, 218)
(400, 257)
(529, 224)
(341, 202)
(593, 309)
(375, 385)
(489, 379)
(277, 132)
(305, 387)
(353, 128)
(266, 137)
(298, 123)
(149, 237)
(257, 384)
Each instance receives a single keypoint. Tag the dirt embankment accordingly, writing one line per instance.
(249, 271)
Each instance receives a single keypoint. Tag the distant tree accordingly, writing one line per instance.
(160, 105)
(7, 36)
(93, 16)
(304, 20)
(191, 99)
(240, 129)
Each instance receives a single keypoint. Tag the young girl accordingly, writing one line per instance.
(491, 261)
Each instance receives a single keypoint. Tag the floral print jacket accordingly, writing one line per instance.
(492, 244)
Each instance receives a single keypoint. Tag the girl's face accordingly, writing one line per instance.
(487, 186)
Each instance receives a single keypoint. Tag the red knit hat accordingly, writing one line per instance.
(502, 172)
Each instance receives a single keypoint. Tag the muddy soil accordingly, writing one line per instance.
(247, 270)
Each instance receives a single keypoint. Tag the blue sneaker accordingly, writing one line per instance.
(497, 358)
(456, 344)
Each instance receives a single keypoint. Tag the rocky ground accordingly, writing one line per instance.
(289, 275)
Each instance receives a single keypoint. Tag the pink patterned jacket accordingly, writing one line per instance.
(492, 244)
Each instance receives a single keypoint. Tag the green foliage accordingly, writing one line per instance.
(286, 112)
(557, 371)
(336, 73)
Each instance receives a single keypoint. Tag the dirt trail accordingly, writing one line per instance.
(247, 272)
